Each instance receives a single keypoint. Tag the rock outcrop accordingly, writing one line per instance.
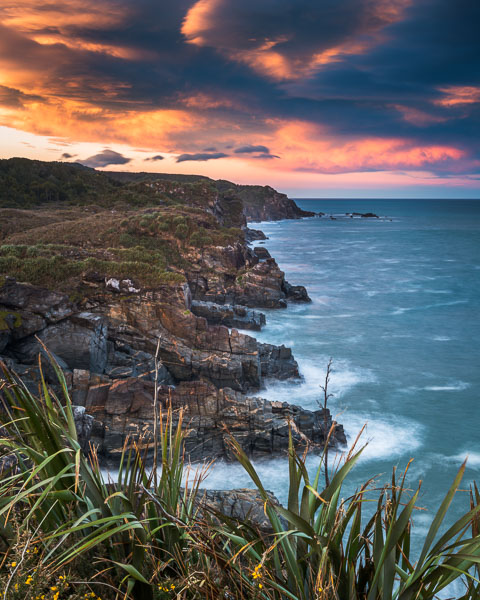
(261, 253)
(229, 315)
(118, 338)
(263, 203)
(277, 362)
(211, 415)
(253, 283)
(253, 235)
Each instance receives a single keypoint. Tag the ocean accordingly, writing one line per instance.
(395, 304)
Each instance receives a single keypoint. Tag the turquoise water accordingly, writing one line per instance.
(396, 305)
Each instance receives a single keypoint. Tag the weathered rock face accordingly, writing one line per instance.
(50, 306)
(261, 253)
(80, 341)
(229, 315)
(277, 362)
(125, 408)
(25, 309)
(260, 286)
(266, 204)
(296, 293)
(235, 275)
(118, 336)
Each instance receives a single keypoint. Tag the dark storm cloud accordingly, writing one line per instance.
(298, 30)
(266, 155)
(105, 158)
(201, 156)
(250, 148)
(155, 158)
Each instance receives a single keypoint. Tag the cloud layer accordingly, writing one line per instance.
(321, 87)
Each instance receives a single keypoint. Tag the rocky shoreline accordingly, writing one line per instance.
(106, 332)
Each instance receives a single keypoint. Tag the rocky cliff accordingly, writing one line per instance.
(153, 287)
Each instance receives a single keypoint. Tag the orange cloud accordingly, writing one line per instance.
(82, 122)
(307, 147)
(455, 95)
(417, 117)
(31, 16)
(203, 101)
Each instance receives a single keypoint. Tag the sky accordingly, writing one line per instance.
(318, 98)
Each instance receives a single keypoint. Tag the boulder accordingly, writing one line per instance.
(242, 504)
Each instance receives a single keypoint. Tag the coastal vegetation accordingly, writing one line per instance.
(68, 530)
(137, 284)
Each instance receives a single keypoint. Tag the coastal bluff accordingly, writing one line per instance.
(137, 278)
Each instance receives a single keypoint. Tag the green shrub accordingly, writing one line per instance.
(181, 231)
(163, 226)
(200, 239)
(179, 220)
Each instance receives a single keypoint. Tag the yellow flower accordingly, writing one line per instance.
(172, 587)
(54, 588)
(62, 577)
(29, 579)
(257, 572)
(15, 587)
(13, 564)
(260, 585)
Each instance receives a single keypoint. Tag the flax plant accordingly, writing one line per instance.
(323, 548)
(135, 523)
